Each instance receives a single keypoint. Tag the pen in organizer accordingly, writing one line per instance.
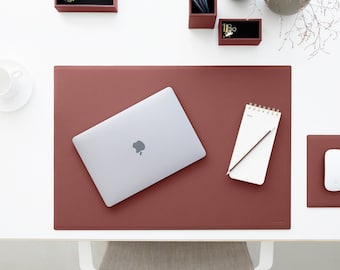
(202, 5)
(251, 149)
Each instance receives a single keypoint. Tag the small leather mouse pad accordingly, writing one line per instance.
(317, 194)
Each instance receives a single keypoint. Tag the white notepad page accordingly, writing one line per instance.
(256, 122)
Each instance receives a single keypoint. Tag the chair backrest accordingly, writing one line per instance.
(177, 255)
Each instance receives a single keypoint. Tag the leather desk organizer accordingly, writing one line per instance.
(86, 5)
(239, 31)
(198, 19)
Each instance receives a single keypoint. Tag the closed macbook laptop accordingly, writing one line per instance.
(139, 146)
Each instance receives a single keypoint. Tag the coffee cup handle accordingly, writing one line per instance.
(17, 74)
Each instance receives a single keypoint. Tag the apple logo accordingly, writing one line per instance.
(139, 146)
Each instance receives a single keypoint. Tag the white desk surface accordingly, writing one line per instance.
(147, 33)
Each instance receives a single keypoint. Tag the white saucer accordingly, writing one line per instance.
(24, 84)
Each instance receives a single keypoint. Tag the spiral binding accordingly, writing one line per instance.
(260, 108)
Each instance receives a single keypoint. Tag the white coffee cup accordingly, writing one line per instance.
(7, 82)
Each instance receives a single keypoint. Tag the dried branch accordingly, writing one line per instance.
(254, 8)
(313, 26)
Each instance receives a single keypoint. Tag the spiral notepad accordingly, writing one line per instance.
(254, 144)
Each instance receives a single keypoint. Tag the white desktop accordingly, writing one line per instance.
(148, 33)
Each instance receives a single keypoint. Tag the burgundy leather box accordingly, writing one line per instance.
(198, 19)
(86, 5)
(239, 31)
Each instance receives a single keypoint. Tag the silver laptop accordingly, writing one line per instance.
(139, 146)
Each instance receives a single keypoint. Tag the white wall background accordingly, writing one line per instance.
(56, 255)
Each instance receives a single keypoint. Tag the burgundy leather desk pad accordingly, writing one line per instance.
(198, 197)
(317, 194)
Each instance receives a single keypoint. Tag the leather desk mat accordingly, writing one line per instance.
(317, 194)
(199, 196)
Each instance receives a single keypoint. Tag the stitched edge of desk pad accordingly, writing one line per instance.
(317, 195)
(198, 197)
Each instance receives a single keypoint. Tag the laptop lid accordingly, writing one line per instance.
(139, 146)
